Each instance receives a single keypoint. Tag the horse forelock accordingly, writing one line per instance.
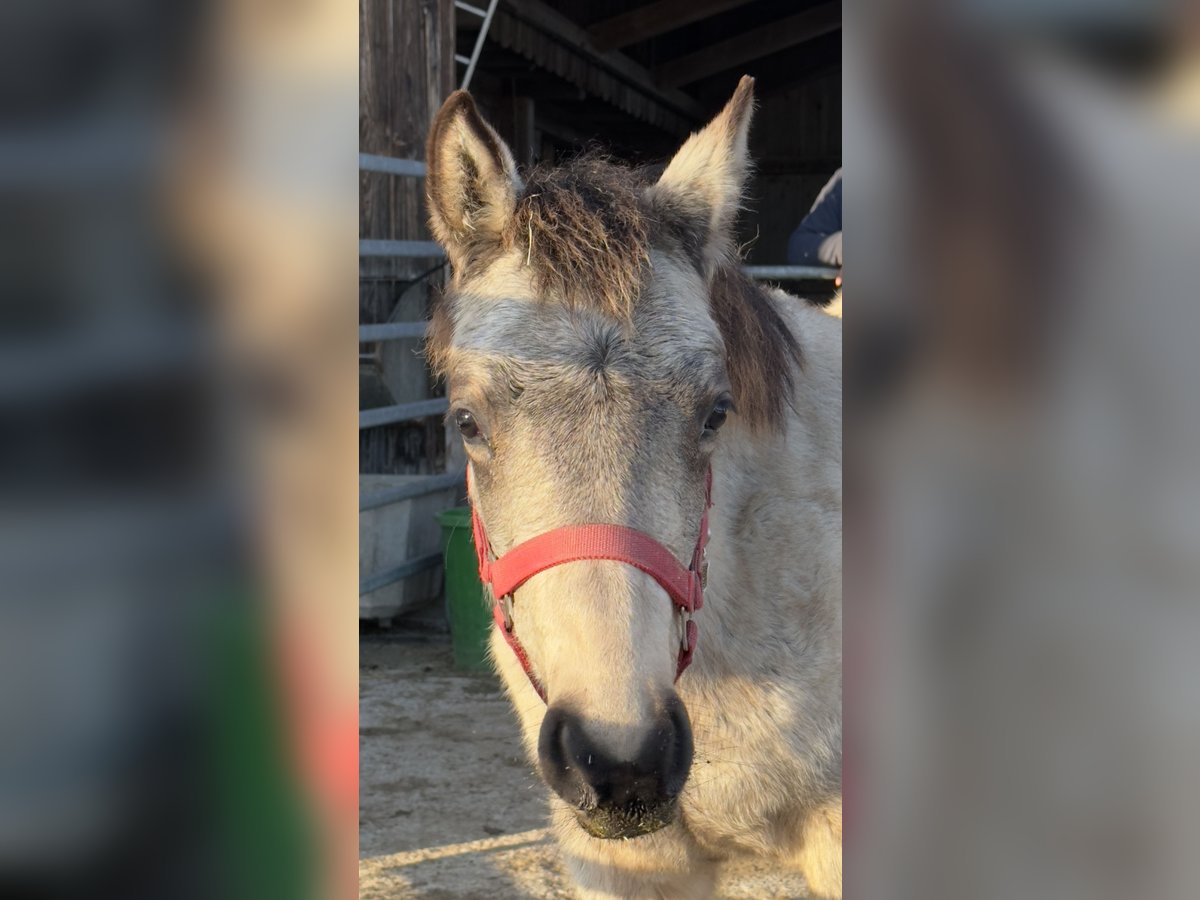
(585, 232)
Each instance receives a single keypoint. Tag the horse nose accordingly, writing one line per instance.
(617, 795)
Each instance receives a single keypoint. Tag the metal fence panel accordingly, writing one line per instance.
(404, 249)
(430, 484)
(402, 412)
(388, 165)
(785, 273)
(390, 576)
(391, 331)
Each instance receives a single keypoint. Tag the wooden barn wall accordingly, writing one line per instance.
(796, 143)
(406, 70)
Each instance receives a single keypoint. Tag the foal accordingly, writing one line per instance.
(609, 365)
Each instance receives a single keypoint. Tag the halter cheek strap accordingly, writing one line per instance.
(571, 543)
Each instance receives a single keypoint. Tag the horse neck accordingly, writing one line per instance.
(762, 528)
(745, 474)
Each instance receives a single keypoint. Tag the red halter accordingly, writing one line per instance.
(571, 543)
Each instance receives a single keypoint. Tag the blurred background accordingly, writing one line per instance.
(1021, 426)
(179, 455)
(177, 227)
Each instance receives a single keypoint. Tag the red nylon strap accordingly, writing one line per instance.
(517, 649)
(573, 543)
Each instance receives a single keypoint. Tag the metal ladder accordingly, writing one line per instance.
(470, 61)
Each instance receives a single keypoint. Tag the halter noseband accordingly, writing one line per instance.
(572, 543)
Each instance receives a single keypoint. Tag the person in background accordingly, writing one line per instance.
(818, 239)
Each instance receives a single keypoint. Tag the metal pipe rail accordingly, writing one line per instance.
(400, 249)
(473, 10)
(390, 576)
(473, 59)
(390, 165)
(392, 331)
(429, 484)
(791, 273)
(401, 412)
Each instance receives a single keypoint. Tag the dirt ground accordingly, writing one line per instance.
(449, 805)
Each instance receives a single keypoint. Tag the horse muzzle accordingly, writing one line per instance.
(612, 823)
(617, 797)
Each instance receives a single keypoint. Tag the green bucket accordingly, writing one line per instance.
(470, 617)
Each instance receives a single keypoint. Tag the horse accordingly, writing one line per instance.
(613, 373)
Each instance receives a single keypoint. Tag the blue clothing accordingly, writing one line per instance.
(818, 239)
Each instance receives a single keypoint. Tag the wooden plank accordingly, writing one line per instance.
(751, 45)
(553, 23)
(645, 22)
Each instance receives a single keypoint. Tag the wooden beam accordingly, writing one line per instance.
(538, 87)
(563, 133)
(553, 23)
(789, 165)
(578, 126)
(648, 21)
(751, 45)
(780, 71)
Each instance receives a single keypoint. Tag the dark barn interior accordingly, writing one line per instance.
(636, 78)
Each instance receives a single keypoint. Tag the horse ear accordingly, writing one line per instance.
(703, 183)
(471, 182)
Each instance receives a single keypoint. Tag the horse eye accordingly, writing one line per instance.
(717, 417)
(466, 424)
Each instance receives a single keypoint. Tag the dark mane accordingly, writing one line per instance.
(586, 232)
(761, 351)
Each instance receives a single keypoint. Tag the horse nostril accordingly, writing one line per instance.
(560, 768)
(680, 747)
(579, 769)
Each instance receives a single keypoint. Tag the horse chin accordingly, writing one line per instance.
(622, 824)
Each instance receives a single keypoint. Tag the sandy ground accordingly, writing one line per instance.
(449, 805)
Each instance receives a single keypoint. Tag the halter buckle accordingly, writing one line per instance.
(506, 607)
(685, 616)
